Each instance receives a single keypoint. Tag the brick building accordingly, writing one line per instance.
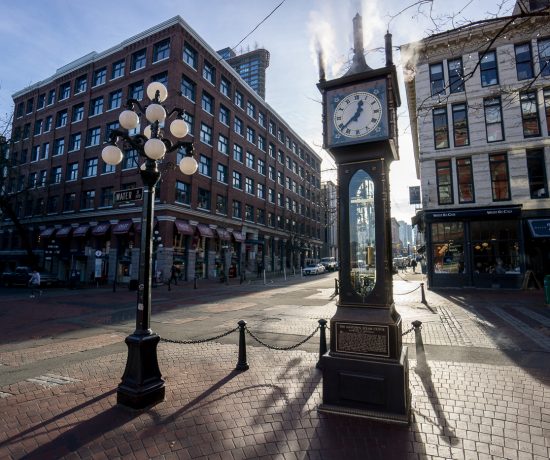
(254, 200)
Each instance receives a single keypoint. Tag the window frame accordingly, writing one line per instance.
(536, 173)
(441, 165)
(456, 76)
(437, 85)
(490, 102)
(465, 177)
(440, 114)
(487, 69)
(524, 65)
(455, 108)
(527, 99)
(493, 164)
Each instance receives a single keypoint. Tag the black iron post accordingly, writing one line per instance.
(424, 301)
(322, 340)
(242, 364)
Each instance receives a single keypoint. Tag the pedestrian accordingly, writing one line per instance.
(34, 283)
(173, 275)
(413, 265)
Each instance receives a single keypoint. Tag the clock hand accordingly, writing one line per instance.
(356, 115)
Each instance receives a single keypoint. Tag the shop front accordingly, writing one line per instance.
(537, 244)
(478, 247)
(181, 243)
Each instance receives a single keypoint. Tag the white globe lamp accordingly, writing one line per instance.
(179, 128)
(111, 155)
(155, 149)
(188, 165)
(155, 112)
(128, 119)
(152, 89)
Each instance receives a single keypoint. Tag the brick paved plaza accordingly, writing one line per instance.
(480, 391)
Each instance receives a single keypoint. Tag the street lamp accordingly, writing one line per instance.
(142, 384)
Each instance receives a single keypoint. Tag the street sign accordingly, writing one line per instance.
(414, 195)
(131, 194)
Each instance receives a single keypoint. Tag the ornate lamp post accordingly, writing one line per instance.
(142, 384)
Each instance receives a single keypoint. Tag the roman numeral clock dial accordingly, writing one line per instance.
(357, 114)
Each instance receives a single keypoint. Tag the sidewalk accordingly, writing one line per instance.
(466, 405)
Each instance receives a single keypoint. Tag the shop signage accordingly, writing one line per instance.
(464, 213)
(414, 195)
(540, 228)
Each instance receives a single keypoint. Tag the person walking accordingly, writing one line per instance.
(34, 283)
(413, 265)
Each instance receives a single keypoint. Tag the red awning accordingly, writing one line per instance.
(47, 232)
(81, 231)
(101, 229)
(184, 228)
(205, 231)
(122, 227)
(64, 232)
(239, 237)
(223, 234)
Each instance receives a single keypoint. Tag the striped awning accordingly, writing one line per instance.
(101, 229)
(184, 228)
(205, 231)
(122, 227)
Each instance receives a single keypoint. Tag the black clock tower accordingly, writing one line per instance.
(365, 372)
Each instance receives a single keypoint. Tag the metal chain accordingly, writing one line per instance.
(188, 342)
(405, 293)
(292, 347)
(407, 331)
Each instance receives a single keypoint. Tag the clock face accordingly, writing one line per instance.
(357, 114)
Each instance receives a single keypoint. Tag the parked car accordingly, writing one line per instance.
(22, 275)
(329, 263)
(313, 269)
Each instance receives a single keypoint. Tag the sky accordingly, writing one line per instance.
(39, 36)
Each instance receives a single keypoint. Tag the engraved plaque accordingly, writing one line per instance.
(362, 339)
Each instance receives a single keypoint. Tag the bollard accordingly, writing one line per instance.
(322, 341)
(242, 365)
(423, 295)
(336, 289)
(195, 283)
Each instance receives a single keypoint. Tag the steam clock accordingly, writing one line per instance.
(365, 372)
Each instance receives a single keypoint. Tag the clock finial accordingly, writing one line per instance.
(358, 63)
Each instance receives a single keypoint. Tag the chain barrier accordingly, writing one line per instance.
(407, 331)
(409, 292)
(415, 325)
(189, 342)
(292, 347)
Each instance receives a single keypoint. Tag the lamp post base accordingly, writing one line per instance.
(141, 384)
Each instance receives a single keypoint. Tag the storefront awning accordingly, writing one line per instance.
(540, 228)
(205, 231)
(238, 236)
(184, 228)
(101, 229)
(122, 228)
(64, 232)
(47, 232)
(223, 234)
(81, 231)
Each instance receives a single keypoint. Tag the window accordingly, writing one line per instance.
(225, 87)
(207, 103)
(205, 166)
(20, 109)
(224, 115)
(237, 209)
(53, 204)
(272, 128)
(536, 169)
(524, 61)
(100, 76)
(530, 114)
(261, 166)
(80, 84)
(138, 60)
(26, 130)
(161, 50)
(78, 112)
(221, 173)
(493, 119)
(64, 91)
(96, 106)
(237, 180)
(107, 169)
(546, 94)
(37, 127)
(249, 185)
(271, 195)
(456, 75)
(41, 102)
(460, 125)
(61, 119)
(30, 103)
(250, 135)
(237, 153)
(281, 157)
(183, 192)
(190, 56)
(238, 125)
(87, 199)
(161, 78)
(109, 128)
(251, 109)
(48, 124)
(90, 167)
(75, 142)
(107, 197)
(55, 175)
(59, 146)
(93, 136)
(135, 90)
(261, 216)
(261, 142)
(437, 80)
(465, 180)
(204, 199)
(261, 191)
(271, 171)
(544, 57)
(51, 96)
(495, 246)
(249, 212)
(188, 88)
(444, 182)
(45, 151)
(500, 184)
(488, 69)
(250, 160)
(261, 119)
(115, 99)
(209, 72)
(221, 204)
(447, 250)
(117, 70)
(238, 100)
(441, 128)
(271, 150)
(130, 159)
(206, 134)
(69, 201)
(32, 181)
(190, 120)
(223, 144)
(280, 178)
